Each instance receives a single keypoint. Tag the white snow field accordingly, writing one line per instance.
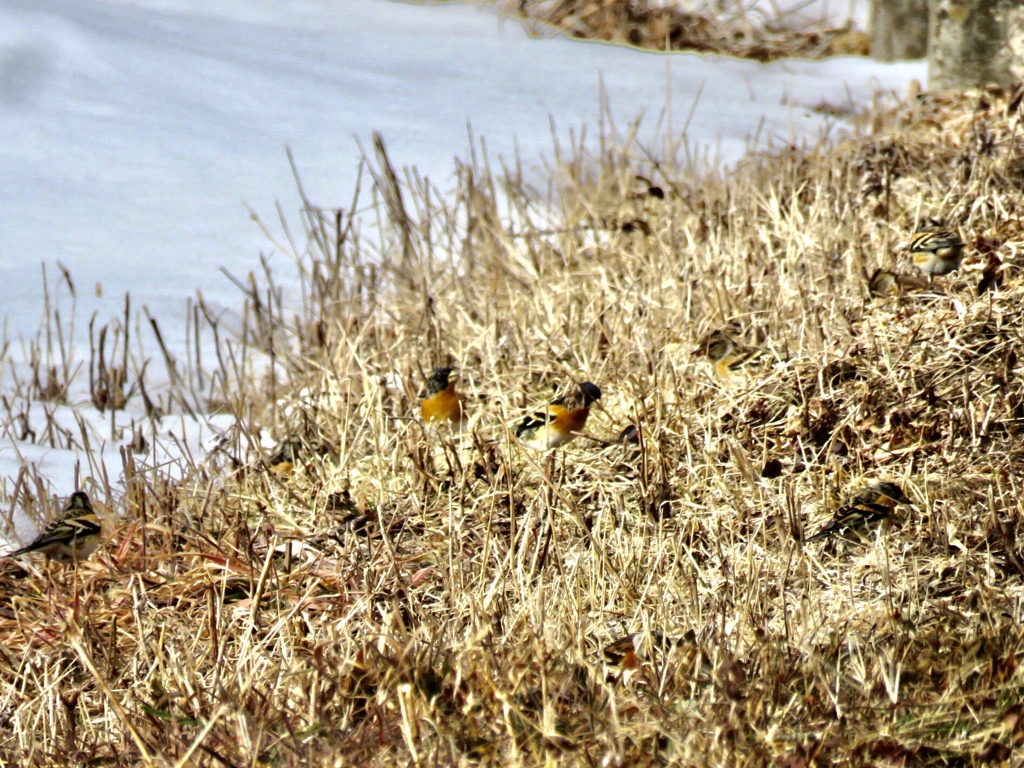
(136, 131)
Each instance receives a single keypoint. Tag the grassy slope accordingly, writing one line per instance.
(749, 30)
(421, 598)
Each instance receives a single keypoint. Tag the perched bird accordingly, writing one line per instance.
(561, 421)
(726, 354)
(442, 402)
(282, 461)
(884, 284)
(627, 651)
(292, 452)
(872, 505)
(936, 250)
(627, 654)
(73, 536)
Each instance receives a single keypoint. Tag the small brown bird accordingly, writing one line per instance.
(561, 421)
(627, 651)
(874, 504)
(293, 452)
(282, 461)
(727, 355)
(884, 284)
(442, 402)
(72, 537)
(936, 249)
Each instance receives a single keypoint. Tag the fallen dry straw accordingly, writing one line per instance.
(403, 596)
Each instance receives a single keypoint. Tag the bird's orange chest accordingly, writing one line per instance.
(884, 501)
(567, 422)
(446, 405)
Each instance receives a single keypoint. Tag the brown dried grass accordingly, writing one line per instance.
(434, 599)
(742, 29)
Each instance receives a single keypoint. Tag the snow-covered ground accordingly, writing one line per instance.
(136, 130)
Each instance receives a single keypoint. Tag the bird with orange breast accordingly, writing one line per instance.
(442, 403)
(559, 422)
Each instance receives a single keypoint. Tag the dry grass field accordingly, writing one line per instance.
(749, 29)
(397, 595)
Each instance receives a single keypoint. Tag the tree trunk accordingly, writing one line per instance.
(899, 29)
(975, 42)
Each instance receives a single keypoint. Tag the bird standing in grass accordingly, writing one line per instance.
(442, 402)
(627, 651)
(294, 452)
(884, 284)
(726, 354)
(283, 460)
(872, 505)
(936, 249)
(561, 421)
(72, 537)
(627, 654)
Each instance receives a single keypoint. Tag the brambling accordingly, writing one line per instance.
(872, 505)
(282, 461)
(628, 651)
(936, 250)
(292, 452)
(73, 536)
(561, 421)
(628, 654)
(883, 284)
(726, 354)
(442, 402)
